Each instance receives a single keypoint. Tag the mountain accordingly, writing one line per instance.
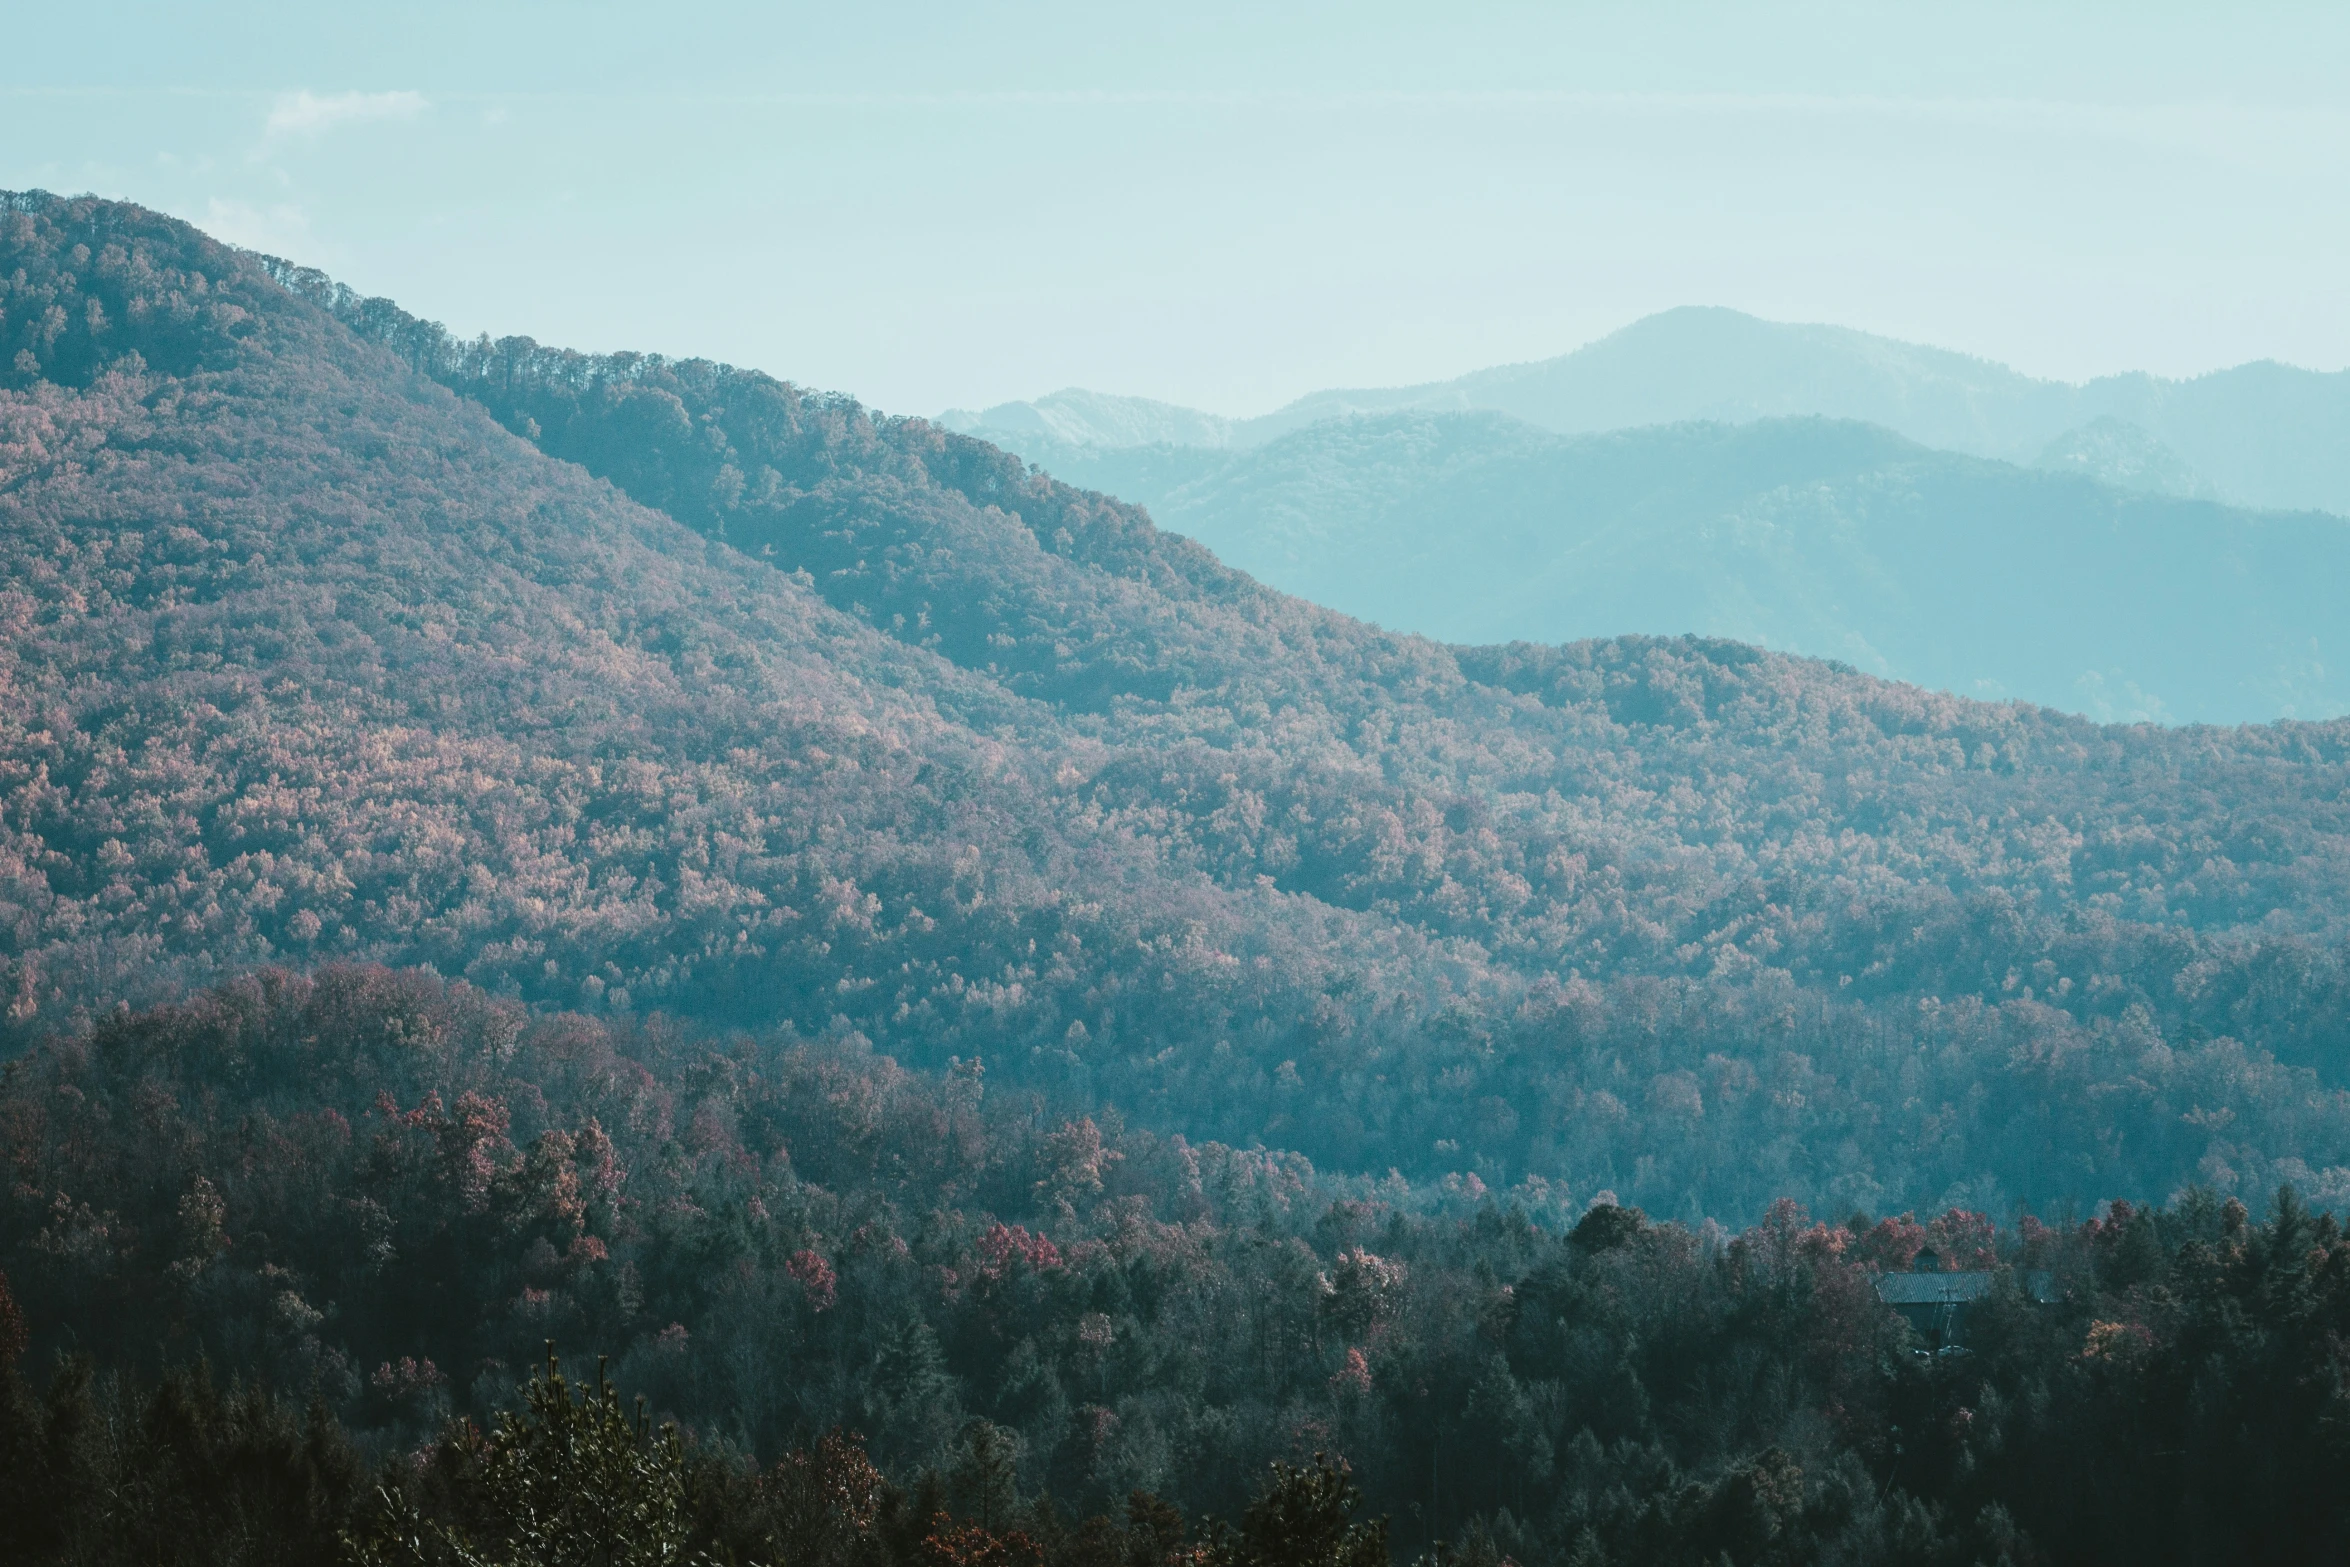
(1076, 417)
(647, 687)
(1820, 537)
(2114, 451)
(2264, 435)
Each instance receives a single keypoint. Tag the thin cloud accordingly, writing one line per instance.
(306, 113)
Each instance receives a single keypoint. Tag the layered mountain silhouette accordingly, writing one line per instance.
(2261, 435)
(634, 685)
(1956, 546)
(2075, 582)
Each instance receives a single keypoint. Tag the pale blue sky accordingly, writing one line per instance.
(1228, 206)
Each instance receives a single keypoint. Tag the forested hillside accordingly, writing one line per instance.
(1832, 539)
(1057, 1342)
(807, 716)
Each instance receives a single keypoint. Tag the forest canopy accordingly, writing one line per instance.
(912, 1319)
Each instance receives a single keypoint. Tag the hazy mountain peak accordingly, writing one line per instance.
(2264, 434)
(2115, 451)
(1077, 417)
(1702, 340)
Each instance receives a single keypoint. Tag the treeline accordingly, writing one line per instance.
(266, 1246)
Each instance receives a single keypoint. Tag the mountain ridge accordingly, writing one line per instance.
(2264, 434)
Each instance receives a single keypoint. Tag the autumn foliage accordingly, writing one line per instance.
(628, 685)
(381, 1194)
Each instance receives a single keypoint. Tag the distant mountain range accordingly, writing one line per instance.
(1917, 513)
(2264, 435)
(1817, 536)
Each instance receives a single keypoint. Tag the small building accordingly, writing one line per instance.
(1935, 1303)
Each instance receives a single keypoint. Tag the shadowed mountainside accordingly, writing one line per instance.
(1807, 535)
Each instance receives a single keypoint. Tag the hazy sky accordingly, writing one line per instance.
(933, 205)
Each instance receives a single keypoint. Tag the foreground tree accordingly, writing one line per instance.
(567, 1482)
(1303, 1518)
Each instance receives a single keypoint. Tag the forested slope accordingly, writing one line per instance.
(808, 715)
(1062, 1342)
